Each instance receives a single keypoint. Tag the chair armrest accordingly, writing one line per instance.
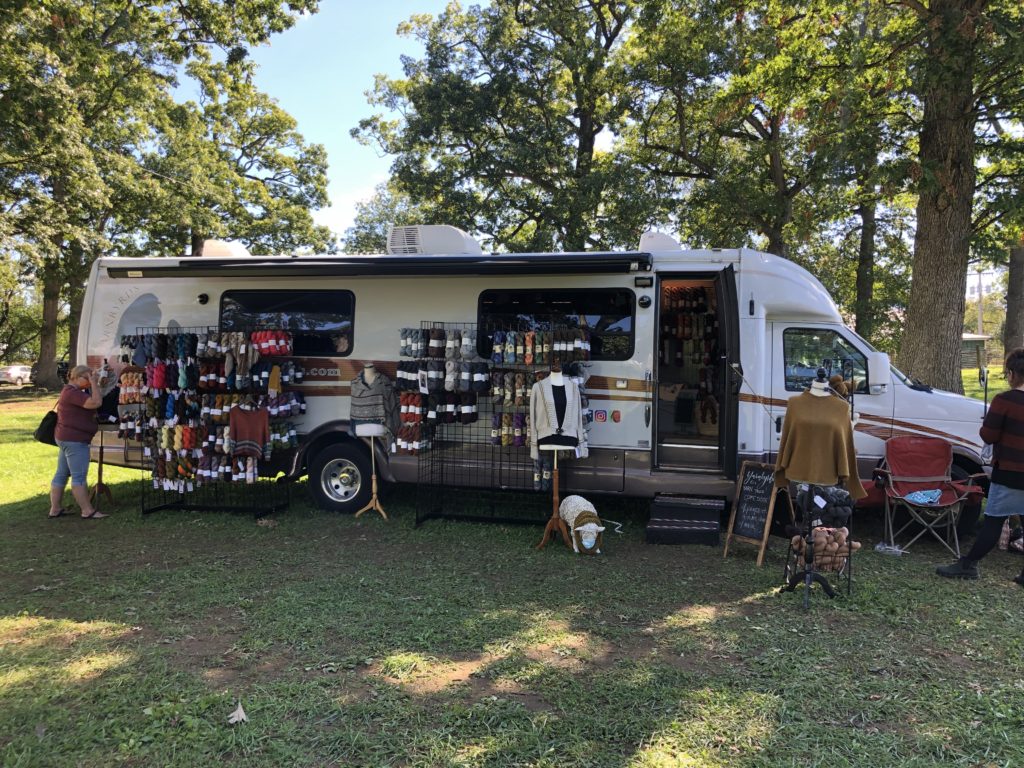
(882, 477)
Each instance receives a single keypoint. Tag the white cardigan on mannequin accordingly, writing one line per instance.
(544, 417)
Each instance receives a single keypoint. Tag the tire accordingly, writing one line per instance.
(20, 381)
(968, 522)
(339, 478)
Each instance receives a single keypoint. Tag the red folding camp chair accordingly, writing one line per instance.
(918, 463)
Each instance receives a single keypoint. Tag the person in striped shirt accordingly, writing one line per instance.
(1003, 429)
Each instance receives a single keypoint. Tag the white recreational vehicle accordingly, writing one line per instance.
(695, 352)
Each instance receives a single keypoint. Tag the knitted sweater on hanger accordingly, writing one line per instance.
(544, 416)
(249, 433)
(817, 444)
(375, 402)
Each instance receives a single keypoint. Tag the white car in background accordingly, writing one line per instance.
(15, 374)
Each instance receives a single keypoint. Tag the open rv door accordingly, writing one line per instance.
(730, 380)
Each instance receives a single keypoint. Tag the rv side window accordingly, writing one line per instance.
(320, 321)
(606, 312)
(807, 349)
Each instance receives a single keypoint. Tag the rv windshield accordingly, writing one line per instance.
(807, 349)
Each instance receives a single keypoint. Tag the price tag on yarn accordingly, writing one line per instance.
(146, 452)
(167, 454)
(820, 502)
(190, 487)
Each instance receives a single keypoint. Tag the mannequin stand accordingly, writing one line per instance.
(372, 431)
(101, 488)
(555, 522)
(808, 575)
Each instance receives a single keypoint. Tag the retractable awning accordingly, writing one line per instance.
(342, 266)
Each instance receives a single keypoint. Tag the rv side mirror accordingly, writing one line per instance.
(879, 373)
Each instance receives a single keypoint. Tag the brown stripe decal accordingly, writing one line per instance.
(309, 390)
(341, 369)
(608, 382)
(880, 426)
(745, 397)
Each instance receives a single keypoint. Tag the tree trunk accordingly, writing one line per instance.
(776, 240)
(865, 320)
(47, 364)
(1013, 330)
(197, 243)
(77, 272)
(931, 343)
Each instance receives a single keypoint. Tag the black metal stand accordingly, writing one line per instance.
(808, 576)
(231, 488)
(264, 497)
(481, 470)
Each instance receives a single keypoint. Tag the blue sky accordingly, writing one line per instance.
(319, 72)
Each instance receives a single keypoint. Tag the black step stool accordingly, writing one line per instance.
(685, 519)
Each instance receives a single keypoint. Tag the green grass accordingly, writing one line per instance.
(974, 388)
(129, 641)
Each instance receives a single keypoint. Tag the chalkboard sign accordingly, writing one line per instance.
(753, 506)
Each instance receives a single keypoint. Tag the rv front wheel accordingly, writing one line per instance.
(339, 478)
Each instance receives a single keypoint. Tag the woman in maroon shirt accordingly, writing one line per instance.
(76, 425)
(1003, 429)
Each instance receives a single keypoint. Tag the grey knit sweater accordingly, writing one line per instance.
(374, 402)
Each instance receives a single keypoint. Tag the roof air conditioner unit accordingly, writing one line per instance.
(658, 241)
(431, 238)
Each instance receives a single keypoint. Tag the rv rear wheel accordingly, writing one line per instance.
(339, 478)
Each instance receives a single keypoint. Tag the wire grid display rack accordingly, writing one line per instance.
(188, 491)
(482, 470)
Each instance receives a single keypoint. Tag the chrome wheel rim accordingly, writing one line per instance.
(340, 480)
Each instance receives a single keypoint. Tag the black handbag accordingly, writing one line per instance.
(45, 431)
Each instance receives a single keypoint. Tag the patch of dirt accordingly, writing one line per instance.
(447, 674)
(481, 688)
(210, 649)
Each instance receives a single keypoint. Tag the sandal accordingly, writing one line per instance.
(59, 513)
(94, 515)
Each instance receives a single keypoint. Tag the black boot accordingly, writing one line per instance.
(961, 569)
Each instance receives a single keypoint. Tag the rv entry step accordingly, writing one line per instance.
(681, 455)
(686, 519)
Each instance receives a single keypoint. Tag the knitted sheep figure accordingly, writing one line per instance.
(584, 524)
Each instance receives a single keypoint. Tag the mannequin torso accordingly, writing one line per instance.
(369, 373)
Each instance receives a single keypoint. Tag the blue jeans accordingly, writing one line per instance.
(73, 462)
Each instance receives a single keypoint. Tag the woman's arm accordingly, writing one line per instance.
(992, 428)
(95, 394)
